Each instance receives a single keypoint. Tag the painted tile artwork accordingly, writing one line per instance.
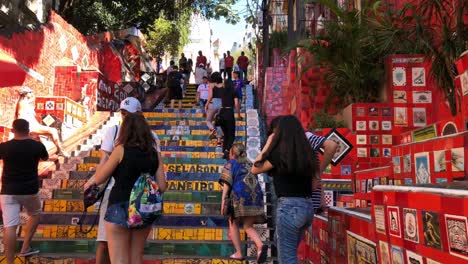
(384, 252)
(393, 216)
(397, 255)
(399, 76)
(419, 117)
(458, 159)
(410, 218)
(407, 163)
(421, 163)
(440, 164)
(418, 76)
(401, 116)
(396, 165)
(413, 258)
(457, 234)
(379, 213)
(399, 97)
(360, 250)
(431, 229)
(422, 97)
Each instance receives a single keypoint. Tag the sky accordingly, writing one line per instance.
(227, 33)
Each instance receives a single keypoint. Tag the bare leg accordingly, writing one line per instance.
(252, 233)
(172, 103)
(30, 229)
(102, 253)
(180, 104)
(49, 131)
(119, 243)
(138, 239)
(235, 237)
(9, 239)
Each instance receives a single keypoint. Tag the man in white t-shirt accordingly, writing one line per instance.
(222, 66)
(203, 91)
(128, 105)
(200, 72)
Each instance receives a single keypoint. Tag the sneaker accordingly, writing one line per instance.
(29, 252)
(63, 153)
(212, 134)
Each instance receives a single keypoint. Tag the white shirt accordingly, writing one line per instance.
(199, 73)
(109, 140)
(221, 64)
(204, 90)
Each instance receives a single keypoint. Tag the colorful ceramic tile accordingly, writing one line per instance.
(410, 216)
(422, 97)
(386, 111)
(440, 164)
(374, 139)
(419, 117)
(345, 169)
(361, 139)
(413, 258)
(360, 111)
(373, 111)
(362, 152)
(396, 165)
(407, 163)
(375, 152)
(384, 252)
(386, 125)
(387, 152)
(457, 235)
(422, 165)
(458, 159)
(397, 255)
(387, 139)
(379, 214)
(393, 215)
(373, 125)
(431, 261)
(401, 116)
(418, 76)
(360, 249)
(431, 229)
(399, 76)
(361, 125)
(464, 82)
(400, 97)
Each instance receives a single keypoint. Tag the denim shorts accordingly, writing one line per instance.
(118, 214)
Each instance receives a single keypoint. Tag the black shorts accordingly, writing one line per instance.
(175, 93)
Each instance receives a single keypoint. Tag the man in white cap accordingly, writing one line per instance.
(128, 105)
(25, 109)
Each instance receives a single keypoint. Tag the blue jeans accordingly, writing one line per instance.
(293, 216)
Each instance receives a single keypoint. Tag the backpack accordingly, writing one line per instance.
(145, 204)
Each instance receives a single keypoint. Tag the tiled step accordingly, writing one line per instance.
(191, 137)
(203, 132)
(160, 121)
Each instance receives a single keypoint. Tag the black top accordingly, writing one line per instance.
(20, 159)
(289, 184)
(227, 97)
(134, 162)
(217, 92)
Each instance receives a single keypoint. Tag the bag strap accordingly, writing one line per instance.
(115, 133)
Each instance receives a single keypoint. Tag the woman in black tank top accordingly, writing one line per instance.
(133, 155)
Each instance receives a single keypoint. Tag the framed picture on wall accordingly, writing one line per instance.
(344, 146)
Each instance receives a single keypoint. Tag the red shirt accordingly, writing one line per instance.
(229, 62)
(243, 62)
(200, 60)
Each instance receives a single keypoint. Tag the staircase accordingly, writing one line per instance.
(191, 230)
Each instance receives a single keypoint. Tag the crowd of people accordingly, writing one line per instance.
(290, 157)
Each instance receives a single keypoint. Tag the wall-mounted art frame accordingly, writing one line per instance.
(344, 146)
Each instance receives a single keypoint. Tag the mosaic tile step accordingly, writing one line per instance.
(204, 132)
(196, 155)
(183, 122)
(190, 149)
(193, 115)
(89, 259)
(169, 110)
(193, 186)
(218, 249)
(190, 143)
(215, 160)
(189, 127)
(177, 176)
(191, 168)
(192, 137)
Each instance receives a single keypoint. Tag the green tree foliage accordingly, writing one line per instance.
(94, 16)
(168, 36)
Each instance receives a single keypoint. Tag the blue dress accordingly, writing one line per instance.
(246, 194)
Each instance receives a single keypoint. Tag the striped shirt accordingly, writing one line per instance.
(316, 143)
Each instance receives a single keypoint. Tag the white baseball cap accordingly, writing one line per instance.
(131, 105)
(25, 90)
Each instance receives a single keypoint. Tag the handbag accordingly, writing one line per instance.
(91, 196)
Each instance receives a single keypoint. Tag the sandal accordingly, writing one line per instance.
(262, 255)
(234, 258)
(29, 252)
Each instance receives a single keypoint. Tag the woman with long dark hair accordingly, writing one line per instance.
(134, 154)
(246, 201)
(213, 104)
(289, 158)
